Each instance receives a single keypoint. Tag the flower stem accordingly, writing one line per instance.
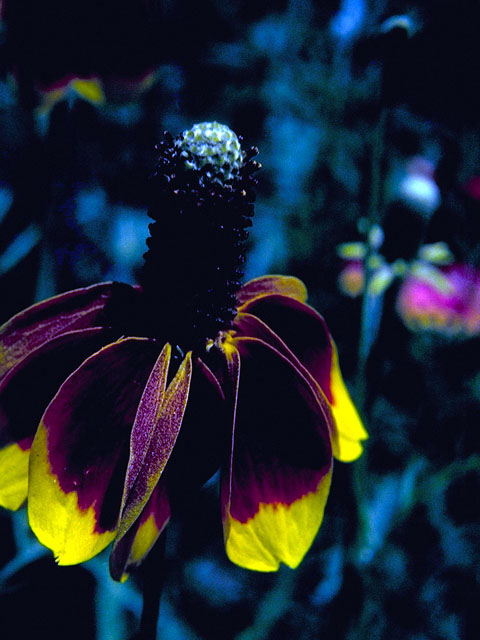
(372, 306)
(153, 576)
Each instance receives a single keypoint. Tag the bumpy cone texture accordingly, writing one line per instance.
(202, 203)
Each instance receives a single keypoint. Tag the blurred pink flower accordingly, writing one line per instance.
(351, 279)
(450, 305)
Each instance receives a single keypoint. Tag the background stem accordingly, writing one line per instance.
(153, 577)
(372, 306)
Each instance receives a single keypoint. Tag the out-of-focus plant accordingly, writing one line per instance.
(67, 75)
(448, 302)
(435, 294)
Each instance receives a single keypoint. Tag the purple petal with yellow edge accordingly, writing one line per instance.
(302, 329)
(344, 448)
(266, 285)
(306, 334)
(27, 388)
(130, 550)
(274, 493)
(166, 414)
(79, 309)
(25, 393)
(248, 325)
(79, 455)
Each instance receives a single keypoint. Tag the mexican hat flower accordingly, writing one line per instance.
(118, 402)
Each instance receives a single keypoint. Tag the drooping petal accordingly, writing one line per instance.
(248, 325)
(267, 285)
(25, 393)
(79, 455)
(274, 493)
(146, 418)
(302, 329)
(351, 431)
(306, 334)
(14, 474)
(130, 550)
(345, 448)
(78, 309)
(27, 388)
(165, 413)
(195, 457)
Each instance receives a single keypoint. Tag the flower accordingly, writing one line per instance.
(117, 402)
(101, 53)
(448, 304)
(70, 88)
(351, 279)
(435, 293)
(417, 187)
(108, 39)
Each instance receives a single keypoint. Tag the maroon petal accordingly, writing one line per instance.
(203, 439)
(92, 306)
(305, 333)
(248, 325)
(275, 489)
(79, 456)
(27, 388)
(302, 329)
(25, 393)
(267, 285)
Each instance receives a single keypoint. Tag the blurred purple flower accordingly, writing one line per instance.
(449, 305)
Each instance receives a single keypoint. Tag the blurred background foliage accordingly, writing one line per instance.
(365, 113)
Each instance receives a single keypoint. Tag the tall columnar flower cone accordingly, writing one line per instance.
(117, 402)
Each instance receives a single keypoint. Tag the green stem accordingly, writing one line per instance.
(370, 321)
(444, 477)
(153, 577)
(378, 144)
